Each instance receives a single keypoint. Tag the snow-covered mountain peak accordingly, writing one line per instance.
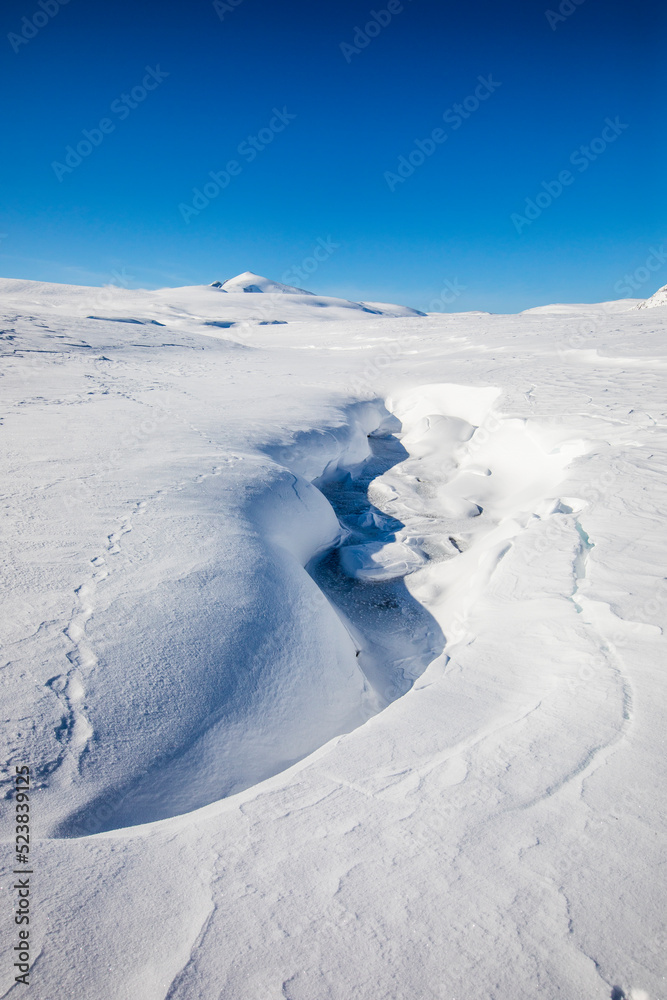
(659, 298)
(248, 281)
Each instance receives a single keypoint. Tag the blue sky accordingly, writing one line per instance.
(330, 113)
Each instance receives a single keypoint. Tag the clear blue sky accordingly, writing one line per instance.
(330, 172)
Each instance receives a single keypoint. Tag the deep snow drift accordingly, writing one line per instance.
(333, 641)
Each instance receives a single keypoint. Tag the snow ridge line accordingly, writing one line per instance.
(585, 606)
(180, 979)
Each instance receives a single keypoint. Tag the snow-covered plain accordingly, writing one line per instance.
(333, 637)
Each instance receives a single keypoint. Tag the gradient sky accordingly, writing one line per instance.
(322, 177)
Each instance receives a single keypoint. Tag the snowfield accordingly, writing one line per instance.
(333, 638)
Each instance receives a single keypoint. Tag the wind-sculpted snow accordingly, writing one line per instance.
(368, 612)
(242, 666)
(363, 573)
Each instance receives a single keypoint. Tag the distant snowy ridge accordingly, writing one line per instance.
(198, 306)
(658, 299)
(577, 308)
